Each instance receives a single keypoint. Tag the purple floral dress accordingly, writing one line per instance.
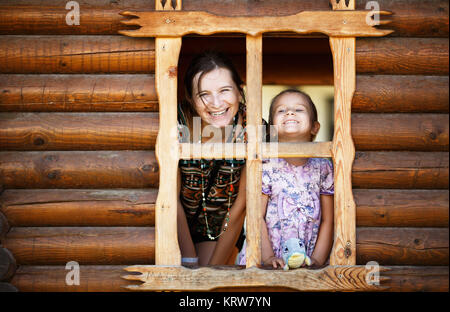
(293, 209)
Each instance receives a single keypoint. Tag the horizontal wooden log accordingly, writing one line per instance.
(401, 208)
(139, 169)
(78, 131)
(76, 55)
(131, 131)
(413, 132)
(135, 245)
(402, 246)
(402, 56)
(400, 94)
(417, 278)
(52, 278)
(135, 207)
(411, 17)
(107, 278)
(7, 265)
(75, 207)
(414, 18)
(77, 93)
(400, 170)
(91, 169)
(85, 245)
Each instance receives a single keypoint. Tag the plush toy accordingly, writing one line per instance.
(294, 254)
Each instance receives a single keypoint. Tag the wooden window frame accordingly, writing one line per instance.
(168, 25)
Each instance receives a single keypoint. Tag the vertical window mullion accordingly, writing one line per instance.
(254, 160)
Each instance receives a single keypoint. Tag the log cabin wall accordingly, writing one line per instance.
(78, 124)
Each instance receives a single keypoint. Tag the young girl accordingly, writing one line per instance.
(297, 192)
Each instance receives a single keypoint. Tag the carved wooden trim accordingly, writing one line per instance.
(167, 251)
(177, 24)
(177, 278)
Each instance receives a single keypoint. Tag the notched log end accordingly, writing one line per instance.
(134, 20)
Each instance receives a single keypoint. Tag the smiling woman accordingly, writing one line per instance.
(212, 192)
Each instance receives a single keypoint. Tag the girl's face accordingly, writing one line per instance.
(292, 118)
(217, 99)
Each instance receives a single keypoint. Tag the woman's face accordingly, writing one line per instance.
(217, 99)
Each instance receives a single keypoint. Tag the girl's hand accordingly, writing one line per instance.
(274, 261)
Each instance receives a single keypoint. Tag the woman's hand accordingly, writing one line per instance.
(274, 262)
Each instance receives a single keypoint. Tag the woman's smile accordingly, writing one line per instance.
(217, 100)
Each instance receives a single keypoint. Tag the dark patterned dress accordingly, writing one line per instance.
(217, 200)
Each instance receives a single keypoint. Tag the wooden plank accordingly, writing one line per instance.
(78, 93)
(402, 246)
(402, 56)
(75, 169)
(52, 278)
(76, 55)
(8, 264)
(396, 132)
(167, 53)
(411, 18)
(136, 245)
(77, 207)
(107, 278)
(343, 252)
(401, 170)
(86, 245)
(254, 154)
(181, 23)
(78, 131)
(401, 208)
(417, 278)
(400, 94)
(330, 278)
(139, 169)
(415, 18)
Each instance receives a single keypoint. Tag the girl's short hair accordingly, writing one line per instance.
(313, 114)
(204, 63)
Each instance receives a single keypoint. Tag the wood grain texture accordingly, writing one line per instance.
(341, 278)
(52, 278)
(139, 169)
(400, 94)
(86, 245)
(76, 207)
(402, 246)
(402, 56)
(76, 55)
(179, 23)
(401, 208)
(167, 54)
(107, 278)
(400, 170)
(77, 93)
(417, 278)
(75, 169)
(132, 131)
(254, 153)
(78, 131)
(394, 132)
(344, 247)
(411, 18)
(8, 265)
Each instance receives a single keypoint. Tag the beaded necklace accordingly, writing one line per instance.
(230, 191)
